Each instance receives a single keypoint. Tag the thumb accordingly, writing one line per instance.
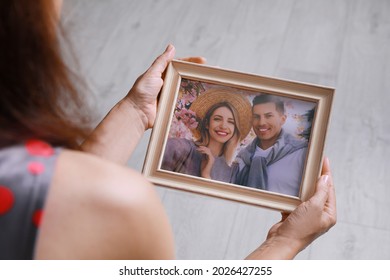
(162, 61)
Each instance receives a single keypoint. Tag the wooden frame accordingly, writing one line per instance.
(179, 74)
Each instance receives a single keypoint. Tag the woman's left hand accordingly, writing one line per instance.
(143, 94)
(207, 163)
(301, 227)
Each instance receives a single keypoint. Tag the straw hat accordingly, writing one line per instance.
(217, 95)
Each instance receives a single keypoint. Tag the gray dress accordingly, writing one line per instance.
(25, 175)
(181, 156)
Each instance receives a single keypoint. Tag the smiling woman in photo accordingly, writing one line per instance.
(222, 124)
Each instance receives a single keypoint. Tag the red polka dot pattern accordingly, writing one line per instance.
(36, 168)
(37, 217)
(6, 200)
(39, 148)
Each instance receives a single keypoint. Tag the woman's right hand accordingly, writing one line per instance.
(207, 162)
(143, 95)
(301, 227)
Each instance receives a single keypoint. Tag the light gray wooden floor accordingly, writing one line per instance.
(340, 43)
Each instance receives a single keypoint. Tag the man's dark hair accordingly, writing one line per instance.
(267, 98)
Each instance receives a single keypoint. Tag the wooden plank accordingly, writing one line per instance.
(201, 225)
(313, 44)
(359, 137)
(349, 241)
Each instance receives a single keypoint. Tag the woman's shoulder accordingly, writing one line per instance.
(84, 170)
(102, 181)
(94, 194)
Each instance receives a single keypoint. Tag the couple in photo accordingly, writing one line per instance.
(272, 161)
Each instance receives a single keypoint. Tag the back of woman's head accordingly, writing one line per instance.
(37, 93)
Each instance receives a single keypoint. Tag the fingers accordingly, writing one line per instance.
(195, 59)
(331, 202)
(325, 167)
(162, 61)
(322, 191)
(204, 150)
(323, 184)
(331, 191)
(284, 215)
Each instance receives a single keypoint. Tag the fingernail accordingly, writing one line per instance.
(325, 178)
(169, 48)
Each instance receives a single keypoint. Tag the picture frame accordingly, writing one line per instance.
(184, 82)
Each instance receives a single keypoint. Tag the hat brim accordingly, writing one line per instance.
(240, 103)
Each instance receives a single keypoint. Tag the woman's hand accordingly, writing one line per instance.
(117, 135)
(307, 222)
(207, 162)
(143, 94)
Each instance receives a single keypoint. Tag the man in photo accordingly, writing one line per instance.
(274, 160)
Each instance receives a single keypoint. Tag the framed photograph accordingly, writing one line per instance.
(238, 136)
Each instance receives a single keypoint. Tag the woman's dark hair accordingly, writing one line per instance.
(38, 96)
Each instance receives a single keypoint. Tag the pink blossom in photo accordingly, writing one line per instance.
(187, 117)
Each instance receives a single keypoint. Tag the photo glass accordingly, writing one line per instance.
(181, 151)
